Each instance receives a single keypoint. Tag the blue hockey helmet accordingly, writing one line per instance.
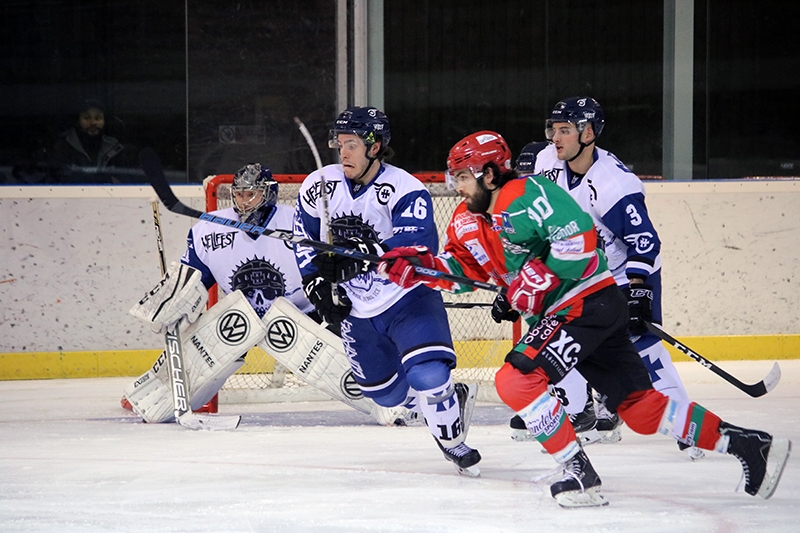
(578, 110)
(526, 160)
(369, 123)
(254, 177)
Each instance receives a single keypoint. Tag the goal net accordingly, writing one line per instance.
(480, 343)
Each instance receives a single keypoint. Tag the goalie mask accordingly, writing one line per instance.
(253, 188)
(474, 152)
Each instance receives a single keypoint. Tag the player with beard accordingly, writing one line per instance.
(557, 276)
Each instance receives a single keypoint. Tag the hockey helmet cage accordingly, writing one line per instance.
(578, 110)
(369, 123)
(254, 177)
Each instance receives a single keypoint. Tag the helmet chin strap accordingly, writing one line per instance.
(583, 145)
(366, 169)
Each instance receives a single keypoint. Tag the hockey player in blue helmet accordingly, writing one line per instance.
(581, 111)
(371, 125)
(397, 339)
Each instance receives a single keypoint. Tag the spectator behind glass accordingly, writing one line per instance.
(83, 154)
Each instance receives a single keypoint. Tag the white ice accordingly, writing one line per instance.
(73, 461)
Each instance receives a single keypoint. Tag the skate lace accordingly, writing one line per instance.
(745, 479)
(459, 451)
(572, 469)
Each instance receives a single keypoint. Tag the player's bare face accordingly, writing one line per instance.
(472, 190)
(566, 140)
(247, 200)
(92, 121)
(353, 154)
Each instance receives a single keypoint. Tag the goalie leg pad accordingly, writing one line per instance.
(312, 353)
(212, 351)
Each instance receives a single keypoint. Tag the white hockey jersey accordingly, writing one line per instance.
(263, 268)
(614, 197)
(394, 209)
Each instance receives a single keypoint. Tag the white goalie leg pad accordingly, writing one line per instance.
(214, 346)
(150, 395)
(180, 294)
(212, 351)
(313, 354)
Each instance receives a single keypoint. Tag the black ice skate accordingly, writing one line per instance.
(763, 457)
(462, 456)
(580, 485)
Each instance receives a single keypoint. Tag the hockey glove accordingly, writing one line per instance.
(640, 307)
(501, 310)
(397, 265)
(339, 268)
(528, 290)
(320, 293)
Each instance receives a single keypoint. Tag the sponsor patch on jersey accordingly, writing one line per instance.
(477, 251)
(464, 223)
(557, 233)
(572, 245)
(515, 249)
(507, 226)
(218, 241)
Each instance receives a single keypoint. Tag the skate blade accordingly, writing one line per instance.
(470, 471)
(522, 435)
(588, 498)
(611, 437)
(695, 454)
(778, 455)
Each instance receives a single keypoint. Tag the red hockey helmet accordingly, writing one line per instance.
(475, 151)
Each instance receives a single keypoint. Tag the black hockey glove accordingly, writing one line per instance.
(501, 310)
(320, 293)
(640, 307)
(340, 268)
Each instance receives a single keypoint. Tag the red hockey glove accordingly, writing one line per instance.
(398, 264)
(526, 293)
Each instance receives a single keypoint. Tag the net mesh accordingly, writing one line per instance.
(480, 343)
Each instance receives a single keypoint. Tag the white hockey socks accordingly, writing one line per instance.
(440, 408)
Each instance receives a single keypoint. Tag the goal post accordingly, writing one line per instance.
(480, 344)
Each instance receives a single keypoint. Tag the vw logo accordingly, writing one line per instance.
(233, 328)
(281, 334)
(349, 386)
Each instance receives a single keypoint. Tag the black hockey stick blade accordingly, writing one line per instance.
(152, 169)
(755, 390)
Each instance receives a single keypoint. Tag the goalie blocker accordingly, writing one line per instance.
(214, 348)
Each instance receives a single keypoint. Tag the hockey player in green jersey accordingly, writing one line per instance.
(558, 277)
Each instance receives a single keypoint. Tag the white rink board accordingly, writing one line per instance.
(74, 259)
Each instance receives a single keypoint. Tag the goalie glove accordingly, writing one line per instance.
(339, 268)
(320, 293)
(528, 290)
(397, 265)
(180, 294)
(640, 307)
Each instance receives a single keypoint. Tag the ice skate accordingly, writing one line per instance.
(580, 484)
(465, 458)
(609, 424)
(695, 453)
(763, 458)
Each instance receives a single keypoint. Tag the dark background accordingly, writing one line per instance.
(451, 68)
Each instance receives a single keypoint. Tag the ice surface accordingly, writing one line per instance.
(73, 461)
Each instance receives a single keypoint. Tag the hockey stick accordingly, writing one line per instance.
(755, 390)
(152, 169)
(175, 362)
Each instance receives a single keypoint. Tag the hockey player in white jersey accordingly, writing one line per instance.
(264, 271)
(615, 198)
(397, 340)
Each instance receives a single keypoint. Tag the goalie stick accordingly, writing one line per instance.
(155, 174)
(175, 363)
(755, 390)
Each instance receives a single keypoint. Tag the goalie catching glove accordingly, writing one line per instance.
(339, 268)
(528, 290)
(397, 265)
(179, 294)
